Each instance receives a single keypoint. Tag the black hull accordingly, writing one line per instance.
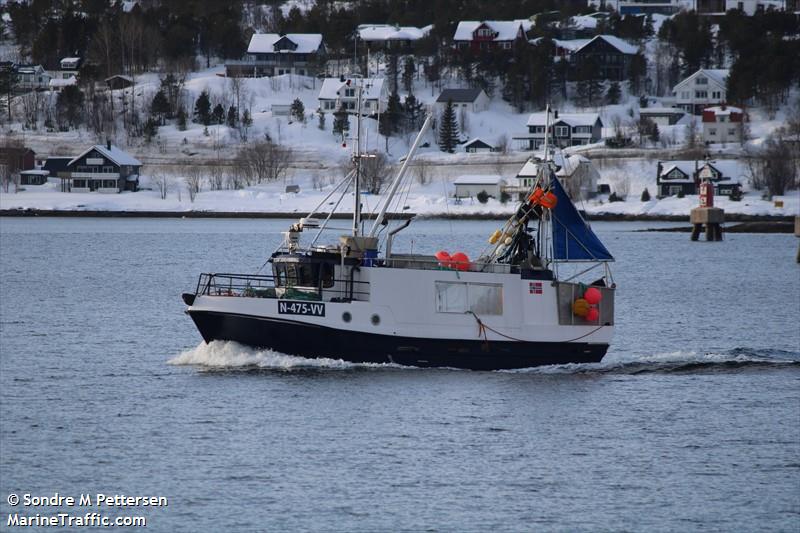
(311, 341)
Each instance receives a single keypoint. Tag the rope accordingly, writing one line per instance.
(482, 328)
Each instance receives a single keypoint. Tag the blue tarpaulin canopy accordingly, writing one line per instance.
(573, 239)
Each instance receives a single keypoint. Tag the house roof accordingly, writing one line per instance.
(479, 179)
(718, 76)
(477, 141)
(390, 32)
(573, 119)
(120, 76)
(506, 30)
(373, 88)
(661, 111)
(459, 95)
(262, 43)
(61, 82)
(116, 155)
(732, 171)
(723, 110)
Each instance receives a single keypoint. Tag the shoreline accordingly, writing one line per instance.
(608, 217)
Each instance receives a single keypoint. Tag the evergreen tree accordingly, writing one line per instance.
(414, 113)
(655, 134)
(69, 106)
(409, 70)
(588, 86)
(637, 72)
(247, 120)
(159, 107)
(448, 129)
(613, 93)
(341, 122)
(392, 118)
(181, 119)
(392, 72)
(298, 110)
(645, 195)
(202, 109)
(233, 117)
(218, 115)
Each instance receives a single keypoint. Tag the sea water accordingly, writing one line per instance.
(691, 422)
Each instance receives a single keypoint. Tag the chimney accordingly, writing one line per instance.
(108, 144)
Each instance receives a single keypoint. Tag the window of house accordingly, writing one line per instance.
(349, 93)
(702, 80)
(539, 129)
(701, 94)
(685, 95)
(562, 131)
(675, 189)
(79, 183)
(110, 184)
(108, 170)
(732, 131)
(459, 297)
(712, 131)
(507, 45)
(717, 95)
(329, 104)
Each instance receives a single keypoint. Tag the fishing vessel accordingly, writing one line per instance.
(540, 293)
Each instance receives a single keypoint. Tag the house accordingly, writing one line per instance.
(118, 81)
(751, 7)
(581, 26)
(56, 167)
(19, 158)
(663, 116)
(723, 124)
(488, 34)
(704, 88)
(566, 129)
(32, 78)
(390, 36)
(476, 146)
(104, 169)
(683, 177)
(58, 84)
(336, 92)
(577, 174)
(610, 55)
(271, 54)
(470, 185)
(69, 68)
(474, 100)
(33, 177)
(648, 7)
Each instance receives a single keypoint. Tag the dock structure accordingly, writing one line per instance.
(797, 234)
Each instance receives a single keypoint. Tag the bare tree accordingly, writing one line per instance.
(374, 169)
(162, 183)
(774, 166)
(422, 171)
(622, 186)
(11, 152)
(193, 180)
(265, 161)
(502, 144)
(691, 133)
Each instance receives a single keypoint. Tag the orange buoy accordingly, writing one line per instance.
(580, 307)
(537, 193)
(460, 261)
(443, 258)
(549, 200)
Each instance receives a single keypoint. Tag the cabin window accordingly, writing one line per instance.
(480, 298)
(303, 275)
(79, 183)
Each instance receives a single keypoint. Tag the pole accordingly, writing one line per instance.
(357, 160)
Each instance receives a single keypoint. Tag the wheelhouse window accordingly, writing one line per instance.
(310, 275)
(459, 297)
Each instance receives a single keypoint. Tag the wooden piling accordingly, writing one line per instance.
(709, 217)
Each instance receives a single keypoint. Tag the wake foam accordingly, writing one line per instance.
(232, 355)
(678, 361)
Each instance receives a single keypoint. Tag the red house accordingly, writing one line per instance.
(487, 34)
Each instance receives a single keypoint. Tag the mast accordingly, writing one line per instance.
(357, 161)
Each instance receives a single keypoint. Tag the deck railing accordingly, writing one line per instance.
(264, 286)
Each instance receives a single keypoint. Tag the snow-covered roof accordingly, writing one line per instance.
(476, 140)
(373, 88)
(506, 30)
(36, 172)
(479, 179)
(116, 155)
(128, 5)
(731, 170)
(70, 59)
(572, 45)
(120, 76)
(573, 119)
(661, 111)
(263, 43)
(723, 110)
(459, 95)
(619, 44)
(718, 76)
(61, 82)
(390, 32)
(530, 169)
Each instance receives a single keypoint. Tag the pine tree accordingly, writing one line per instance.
(645, 195)
(298, 110)
(321, 123)
(408, 73)
(392, 72)
(218, 115)
(341, 122)
(202, 109)
(448, 129)
(233, 117)
(391, 118)
(413, 113)
(181, 119)
(160, 107)
(613, 94)
(247, 120)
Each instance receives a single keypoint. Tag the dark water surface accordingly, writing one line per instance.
(691, 423)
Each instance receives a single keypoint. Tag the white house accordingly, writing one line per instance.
(723, 124)
(272, 54)
(471, 185)
(474, 100)
(704, 88)
(566, 129)
(337, 92)
(390, 35)
(577, 173)
(69, 68)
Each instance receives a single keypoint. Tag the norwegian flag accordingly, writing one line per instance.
(535, 287)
